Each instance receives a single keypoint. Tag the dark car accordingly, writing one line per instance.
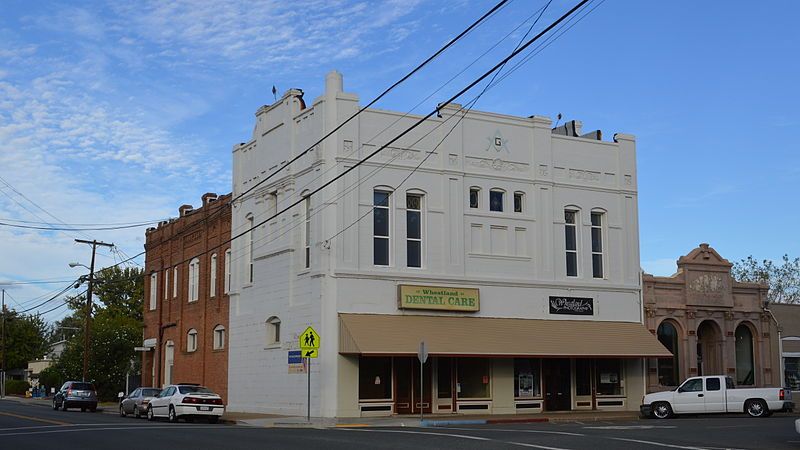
(76, 394)
(136, 402)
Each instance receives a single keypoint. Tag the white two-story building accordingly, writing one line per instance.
(509, 247)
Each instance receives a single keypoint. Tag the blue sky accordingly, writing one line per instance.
(122, 111)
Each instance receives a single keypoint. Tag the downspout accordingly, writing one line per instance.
(641, 320)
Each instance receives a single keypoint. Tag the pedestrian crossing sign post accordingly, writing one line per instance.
(309, 348)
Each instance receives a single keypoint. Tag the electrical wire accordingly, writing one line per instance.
(36, 227)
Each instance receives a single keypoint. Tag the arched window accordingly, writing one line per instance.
(519, 201)
(571, 241)
(213, 276)
(219, 337)
(273, 330)
(745, 373)
(474, 197)
(668, 367)
(381, 226)
(227, 286)
(194, 279)
(153, 290)
(191, 340)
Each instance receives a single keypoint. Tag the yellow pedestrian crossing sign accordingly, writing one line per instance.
(309, 340)
(310, 353)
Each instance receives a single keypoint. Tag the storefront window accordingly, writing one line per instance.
(375, 378)
(445, 378)
(668, 367)
(744, 356)
(473, 378)
(583, 377)
(609, 377)
(527, 378)
(792, 369)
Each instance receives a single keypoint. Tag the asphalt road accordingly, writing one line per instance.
(29, 426)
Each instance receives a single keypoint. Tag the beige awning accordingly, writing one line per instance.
(384, 334)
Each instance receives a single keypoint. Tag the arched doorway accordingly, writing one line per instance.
(169, 361)
(709, 354)
(668, 368)
(745, 368)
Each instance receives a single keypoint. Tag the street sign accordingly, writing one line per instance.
(422, 354)
(295, 357)
(142, 349)
(309, 339)
(310, 352)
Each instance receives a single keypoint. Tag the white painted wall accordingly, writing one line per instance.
(516, 259)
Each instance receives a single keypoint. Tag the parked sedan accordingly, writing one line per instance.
(186, 401)
(136, 402)
(76, 394)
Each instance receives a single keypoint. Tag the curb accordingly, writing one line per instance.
(446, 423)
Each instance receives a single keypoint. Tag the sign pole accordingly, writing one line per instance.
(308, 391)
(421, 391)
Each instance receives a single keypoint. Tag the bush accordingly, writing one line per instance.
(51, 377)
(17, 387)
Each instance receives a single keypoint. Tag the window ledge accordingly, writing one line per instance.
(273, 346)
(506, 257)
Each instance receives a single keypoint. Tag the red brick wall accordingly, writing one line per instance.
(195, 233)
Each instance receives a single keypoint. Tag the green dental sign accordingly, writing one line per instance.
(438, 298)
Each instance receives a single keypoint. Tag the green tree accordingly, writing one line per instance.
(116, 329)
(25, 340)
(783, 278)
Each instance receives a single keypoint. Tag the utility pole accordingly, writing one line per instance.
(3, 333)
(94, 244)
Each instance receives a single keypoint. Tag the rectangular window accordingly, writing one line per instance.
(219, 338)
(445, 378)
(249, 249)
(227, 283)
(307, 233)
(496, 199)
(474, 194)
(571, 242)
(166, 284)
(473, 378)
(194, 280)
(527, 378)
(518, 198)
(609, 377)
(380, 224)
(374, 378)
(213, 278)
(597, 245)
(153, 291)
(414, 230)
(583, 377)
(712, 384)
(175, 282)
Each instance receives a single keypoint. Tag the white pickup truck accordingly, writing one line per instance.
(715, 394)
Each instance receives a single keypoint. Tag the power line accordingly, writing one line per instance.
(450, 100)
(376, 99)
(452, 41)
(110, 224)
(49, 300)
(32, 202)
(12, 283)
(35, 227)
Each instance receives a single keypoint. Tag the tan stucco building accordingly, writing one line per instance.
(789, 318)
(713, 324)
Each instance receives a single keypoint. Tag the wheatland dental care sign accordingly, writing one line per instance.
(438, 298)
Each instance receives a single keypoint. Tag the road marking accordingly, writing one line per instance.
(461, 436)
(36, 419)
(659, 444)
(535, 446)
(564, 433)
(629, 427)
(75, 430)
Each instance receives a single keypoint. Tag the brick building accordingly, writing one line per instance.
(186, 297)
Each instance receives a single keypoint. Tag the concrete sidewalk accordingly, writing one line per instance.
(438, 420)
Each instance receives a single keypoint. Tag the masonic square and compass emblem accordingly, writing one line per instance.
(497, 143)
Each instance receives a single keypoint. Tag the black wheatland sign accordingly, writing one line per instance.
(575, 306)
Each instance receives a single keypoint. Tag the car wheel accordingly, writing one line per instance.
(122, 412)
(662, 410)
(756, 408)
(213, 419)
(150, 415)
(172, 416)
(83, 409)
(136, 412)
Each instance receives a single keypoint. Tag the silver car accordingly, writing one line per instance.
(136, 402)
